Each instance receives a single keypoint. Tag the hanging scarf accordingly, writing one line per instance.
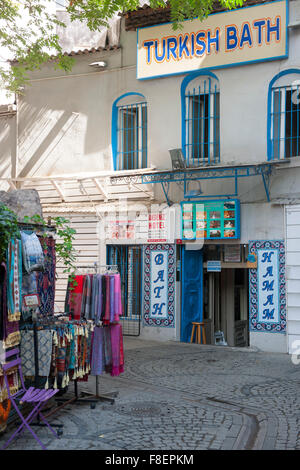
(75, 296)
(29, 286)
(106, 319)
(118, 298)
(3, 306)
(10, 329)
(99, 300)
(112, 298)
(116, 347)
(14, 284)
(97, 364)
(86, 297)
(13, 382)
(107, 349)
(44, 350)
(46, 279)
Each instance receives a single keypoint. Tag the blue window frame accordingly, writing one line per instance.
(129, 132)
(200, 96)
(284, 115)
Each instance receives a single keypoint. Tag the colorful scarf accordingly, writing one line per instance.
(13, 382)
(118, 298)
(112, 298)
(9, 329)
(106, 319)
(117, 350)
(29, 286)
(97, 363)
(74, 297)
(14, 284)
(86, 297)
(3, 305)
(99, 299)
(46, 279)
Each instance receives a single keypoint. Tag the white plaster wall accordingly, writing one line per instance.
(269, 342)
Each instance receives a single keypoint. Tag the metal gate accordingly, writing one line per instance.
(129, 261)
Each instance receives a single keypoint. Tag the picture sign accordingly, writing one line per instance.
(215, 219)
(240, 36)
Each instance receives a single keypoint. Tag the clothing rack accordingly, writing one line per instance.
(111, 269)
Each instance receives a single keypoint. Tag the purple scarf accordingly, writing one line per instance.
(97, 363)
(112, 298)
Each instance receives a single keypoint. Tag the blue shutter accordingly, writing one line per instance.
(192, 291)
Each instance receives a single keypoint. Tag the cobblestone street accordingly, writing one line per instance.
(179, 396)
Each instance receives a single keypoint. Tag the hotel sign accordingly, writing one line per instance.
(236, 37)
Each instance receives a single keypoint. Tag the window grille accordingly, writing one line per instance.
(129, 262)
(202, 123)
(285, 122)
(132, 136)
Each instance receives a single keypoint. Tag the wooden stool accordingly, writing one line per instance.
(198, 326)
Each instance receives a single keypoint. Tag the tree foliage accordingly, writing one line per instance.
(28, 29)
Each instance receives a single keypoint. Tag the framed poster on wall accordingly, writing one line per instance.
(211, 220)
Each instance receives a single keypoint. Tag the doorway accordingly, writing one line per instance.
(225, 305)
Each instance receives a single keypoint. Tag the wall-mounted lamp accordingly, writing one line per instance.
(100, 65)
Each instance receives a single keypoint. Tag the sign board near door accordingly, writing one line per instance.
(159, 285)
(267, 296)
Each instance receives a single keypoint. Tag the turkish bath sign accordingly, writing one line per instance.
(240, 36)
(267, 287)
(159, 285)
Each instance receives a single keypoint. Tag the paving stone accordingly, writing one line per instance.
(199, 397)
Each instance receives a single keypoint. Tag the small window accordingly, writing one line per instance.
(285, 118)
(202, 122)
(131, 135)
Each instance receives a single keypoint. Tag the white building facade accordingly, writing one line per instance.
(208, 232)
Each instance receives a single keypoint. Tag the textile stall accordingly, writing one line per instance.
(56, 349)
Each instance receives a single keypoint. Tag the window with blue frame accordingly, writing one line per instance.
(201, 116)
(130, 132)
(284, 116)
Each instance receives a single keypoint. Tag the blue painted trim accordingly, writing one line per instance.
(183, 88)
(114, 125)
(272, 82)
(285, 56)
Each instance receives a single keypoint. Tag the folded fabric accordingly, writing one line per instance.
(33, 258)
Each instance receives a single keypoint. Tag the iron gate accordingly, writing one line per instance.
(129, 261)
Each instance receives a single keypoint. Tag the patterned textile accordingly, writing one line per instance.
(33, 258)
(3, 306)
(29, 286)
(14, 284)
(13, 381)
(10, 334)
(45, 340)
(46, 279)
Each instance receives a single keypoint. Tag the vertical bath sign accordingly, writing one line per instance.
(267, 287)
(159, 285)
